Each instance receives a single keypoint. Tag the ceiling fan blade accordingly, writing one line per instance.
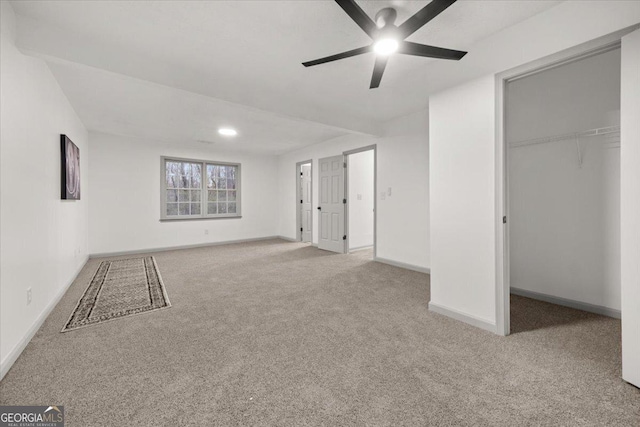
(416, 49)
(359, 16)
(424, 15)
(337, 56)
(378, 70)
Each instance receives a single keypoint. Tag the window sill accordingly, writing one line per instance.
(203, 218)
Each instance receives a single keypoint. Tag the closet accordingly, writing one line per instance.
(563, 143)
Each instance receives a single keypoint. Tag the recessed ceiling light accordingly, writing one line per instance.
(227, 132)
(385, 46)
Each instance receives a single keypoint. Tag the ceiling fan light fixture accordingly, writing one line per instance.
(386, 46)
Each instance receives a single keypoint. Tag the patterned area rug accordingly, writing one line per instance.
(120, 288)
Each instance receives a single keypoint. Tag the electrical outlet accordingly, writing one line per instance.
(206, 231)
(28, 296)
(389, 191)
(359, 196)
(383, 195)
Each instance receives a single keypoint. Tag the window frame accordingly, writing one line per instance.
(203, 190)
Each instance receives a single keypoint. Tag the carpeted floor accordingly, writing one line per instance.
(279, 333)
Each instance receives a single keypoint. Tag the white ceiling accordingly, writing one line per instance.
(175, 70)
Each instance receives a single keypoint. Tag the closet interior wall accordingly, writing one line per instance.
(562, 129)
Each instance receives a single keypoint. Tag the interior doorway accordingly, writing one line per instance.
(347, 205)
(360, 196)
(562, 170)
(304, 212)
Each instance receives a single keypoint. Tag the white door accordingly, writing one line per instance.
(305, 202)
(331, 209)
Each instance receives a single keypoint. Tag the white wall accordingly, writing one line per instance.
(402, 164)
(630, 195)
(577, 96)
(564, 218)
(463, 152)
(360, 183)
(44, 239)
(462, 135)
(125, 212)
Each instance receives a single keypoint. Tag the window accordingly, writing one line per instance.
(193, 189)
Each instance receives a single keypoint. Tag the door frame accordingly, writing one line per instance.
(299, 197)
(346, 154)
(503, 285)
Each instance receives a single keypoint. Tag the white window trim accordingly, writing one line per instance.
(203, 196)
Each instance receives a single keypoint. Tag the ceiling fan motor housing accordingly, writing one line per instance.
(385, 17)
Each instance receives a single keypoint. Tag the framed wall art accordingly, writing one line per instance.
(70, 179)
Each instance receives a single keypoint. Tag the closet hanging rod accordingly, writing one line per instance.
(567, 136)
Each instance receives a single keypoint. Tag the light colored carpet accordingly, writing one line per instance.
(279, 333)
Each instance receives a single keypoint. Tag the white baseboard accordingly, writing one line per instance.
(403, 265)
(360, 248)
(172, 248)
(463, 317)
(584, 306)
(13, 355)
(289, 239)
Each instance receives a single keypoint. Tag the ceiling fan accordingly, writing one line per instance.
(389, 38)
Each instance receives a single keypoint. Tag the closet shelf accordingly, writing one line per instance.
(612, 142)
